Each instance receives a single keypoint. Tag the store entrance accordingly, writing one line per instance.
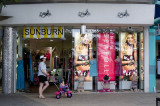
(58, 62)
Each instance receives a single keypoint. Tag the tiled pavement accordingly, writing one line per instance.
(83, 99)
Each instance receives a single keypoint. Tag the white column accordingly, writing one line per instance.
(15, 58)
(8, 60)
(146, 59)
(83, 29)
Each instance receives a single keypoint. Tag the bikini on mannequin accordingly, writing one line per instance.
(118, 70)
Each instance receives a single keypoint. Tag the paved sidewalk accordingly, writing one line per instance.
(18, 100)
(85, 99)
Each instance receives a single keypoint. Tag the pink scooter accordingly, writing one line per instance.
(60, 92)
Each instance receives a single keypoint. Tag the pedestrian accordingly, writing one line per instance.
(42, 75)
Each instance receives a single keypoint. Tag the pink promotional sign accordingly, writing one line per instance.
(106, 56)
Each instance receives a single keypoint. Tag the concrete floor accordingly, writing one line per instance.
(83, 99)
(18, 100)
(157, 85)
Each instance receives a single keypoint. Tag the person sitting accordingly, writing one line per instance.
(64, 87)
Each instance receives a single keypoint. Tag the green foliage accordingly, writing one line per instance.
(3, 2)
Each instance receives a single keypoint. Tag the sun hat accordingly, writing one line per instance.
(41, 57)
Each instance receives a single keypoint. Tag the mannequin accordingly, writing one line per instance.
(118, 70)
(106, 84)
(93, 66)
(47, 55)
(20, 74)
(118, 58)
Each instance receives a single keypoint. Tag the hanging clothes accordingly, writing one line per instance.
(93, 68)
(20, 75)
(118, 68)
(31, 70)
(48, 55)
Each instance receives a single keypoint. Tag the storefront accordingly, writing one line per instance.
(55, 43)
(111, 39)
(112, 56)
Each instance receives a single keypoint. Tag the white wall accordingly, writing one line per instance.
(26, 14)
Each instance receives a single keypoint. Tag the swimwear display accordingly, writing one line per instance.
(93, 68)
(118, 68)
(82, 57)
(127, 57)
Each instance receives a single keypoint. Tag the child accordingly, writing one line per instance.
(64, 87)
(134, 79)
(106, 84)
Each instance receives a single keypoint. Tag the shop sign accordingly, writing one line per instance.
(44, 14)
(43, 32)
(106, 56)
(123, 14)
(84, 13)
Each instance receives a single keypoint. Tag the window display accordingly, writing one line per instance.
(83, 53)
(106, 55)
(141, 56)
(128, 54)
(120, 56)
(118, 71)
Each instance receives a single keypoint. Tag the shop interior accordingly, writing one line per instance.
(58, 62)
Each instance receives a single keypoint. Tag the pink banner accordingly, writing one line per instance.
(106, 56)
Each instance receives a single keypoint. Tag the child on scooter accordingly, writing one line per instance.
(64, 87)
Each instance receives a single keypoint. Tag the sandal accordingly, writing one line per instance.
(41, 97)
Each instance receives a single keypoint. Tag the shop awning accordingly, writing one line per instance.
(4, 17)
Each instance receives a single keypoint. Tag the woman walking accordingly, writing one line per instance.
(42, 75)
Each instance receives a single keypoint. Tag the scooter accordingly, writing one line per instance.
(60, 91)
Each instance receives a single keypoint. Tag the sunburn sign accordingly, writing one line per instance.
(43, 32)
